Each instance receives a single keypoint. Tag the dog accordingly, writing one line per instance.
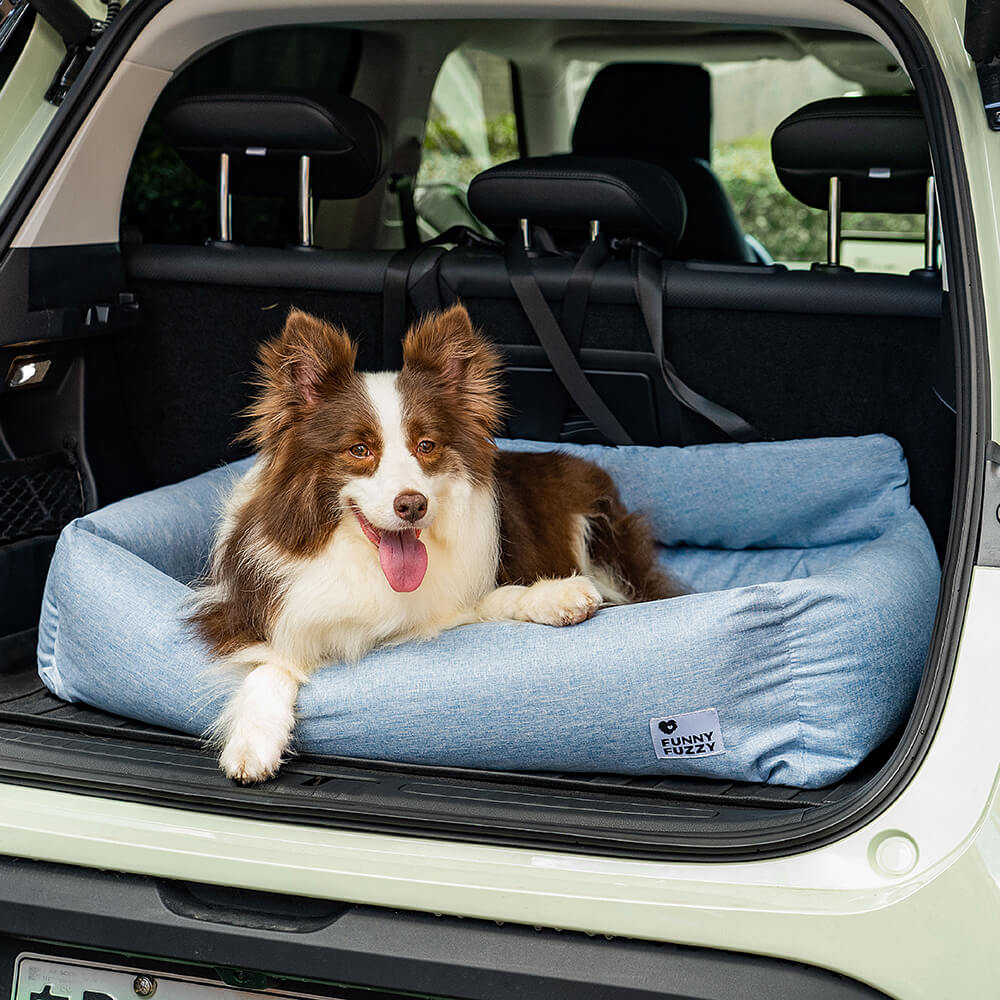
(380, 510)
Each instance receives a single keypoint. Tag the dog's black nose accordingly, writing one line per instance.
(410, 506)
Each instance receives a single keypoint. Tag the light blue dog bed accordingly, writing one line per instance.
(800, 650)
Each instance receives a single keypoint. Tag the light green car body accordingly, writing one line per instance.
(909, 904)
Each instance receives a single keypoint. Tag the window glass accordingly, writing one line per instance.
(165, 200)
(471, 125)
(579, 75)
(749, 100)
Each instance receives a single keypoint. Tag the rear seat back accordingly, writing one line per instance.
(798, 354)
(206, 309)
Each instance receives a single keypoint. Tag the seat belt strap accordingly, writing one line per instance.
(561, 356)
(403, 186)
(647, 281)
(396, 287)
(577, 295)
(394, 302)
(554, 406)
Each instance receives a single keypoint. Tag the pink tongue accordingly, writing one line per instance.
(403, 559)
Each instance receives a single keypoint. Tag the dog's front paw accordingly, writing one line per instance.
(251, 757)
(255, 728)
(560, 602)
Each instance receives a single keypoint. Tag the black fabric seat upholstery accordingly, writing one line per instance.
(877, 146)
(628, 198)
(661, 113)
(797, 353)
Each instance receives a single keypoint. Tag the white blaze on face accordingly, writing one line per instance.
(402, 556)
(398, 470)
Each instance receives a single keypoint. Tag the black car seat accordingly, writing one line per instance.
(662, 113)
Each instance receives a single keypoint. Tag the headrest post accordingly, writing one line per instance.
(305, 204)
(225, 201)
(833, 224)
(525, 233)
(595, 229)
(931, 233)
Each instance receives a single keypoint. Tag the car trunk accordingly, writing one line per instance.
(151, 361)
(126, 368)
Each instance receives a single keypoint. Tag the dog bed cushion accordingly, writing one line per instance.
(814, 584)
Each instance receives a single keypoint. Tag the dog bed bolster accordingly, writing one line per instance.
(814, 585)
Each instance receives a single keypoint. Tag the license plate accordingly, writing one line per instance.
(40, 977)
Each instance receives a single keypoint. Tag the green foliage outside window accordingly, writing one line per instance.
(446, 158)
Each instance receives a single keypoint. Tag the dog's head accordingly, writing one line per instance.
(393, 452)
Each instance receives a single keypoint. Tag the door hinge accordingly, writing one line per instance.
(982, 41)
(79, 32)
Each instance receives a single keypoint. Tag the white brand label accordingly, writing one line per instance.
(691, 735)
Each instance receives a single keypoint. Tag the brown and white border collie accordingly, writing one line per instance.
(380, 510)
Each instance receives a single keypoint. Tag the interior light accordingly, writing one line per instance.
(26, 371)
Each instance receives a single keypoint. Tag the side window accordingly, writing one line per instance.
(471, 125)
(749, 100)
(165, 201)
(791, 232)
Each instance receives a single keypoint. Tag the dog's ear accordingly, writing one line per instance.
(308, 352)
(449, 349)
(292, 369)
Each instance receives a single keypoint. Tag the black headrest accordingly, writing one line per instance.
(564, 193)
(265, 134)
(648, 111)
(877, 146)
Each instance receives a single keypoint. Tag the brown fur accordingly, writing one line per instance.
(542, 496)
(312, 408)
(450, 384)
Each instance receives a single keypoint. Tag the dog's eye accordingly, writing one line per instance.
(359, 451)
(425, 447)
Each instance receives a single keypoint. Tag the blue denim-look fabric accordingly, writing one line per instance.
(815, 585)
